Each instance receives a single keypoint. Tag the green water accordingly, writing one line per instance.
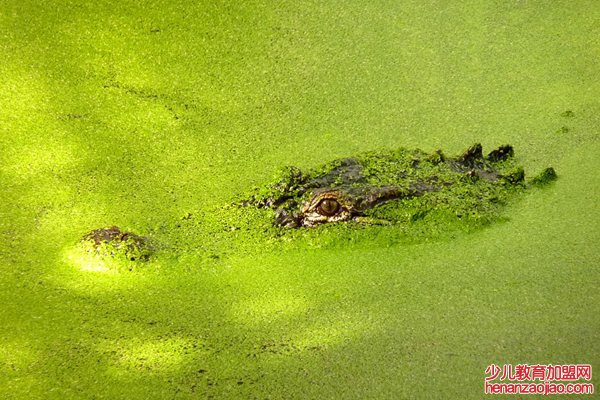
(132, 114)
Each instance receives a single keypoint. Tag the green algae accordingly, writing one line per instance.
(152, 115)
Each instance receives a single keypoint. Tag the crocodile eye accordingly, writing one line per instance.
(328, 207)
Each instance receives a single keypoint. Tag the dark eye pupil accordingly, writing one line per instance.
(328, 207)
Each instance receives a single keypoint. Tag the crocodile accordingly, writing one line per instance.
(394, 188)
(349, 188)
